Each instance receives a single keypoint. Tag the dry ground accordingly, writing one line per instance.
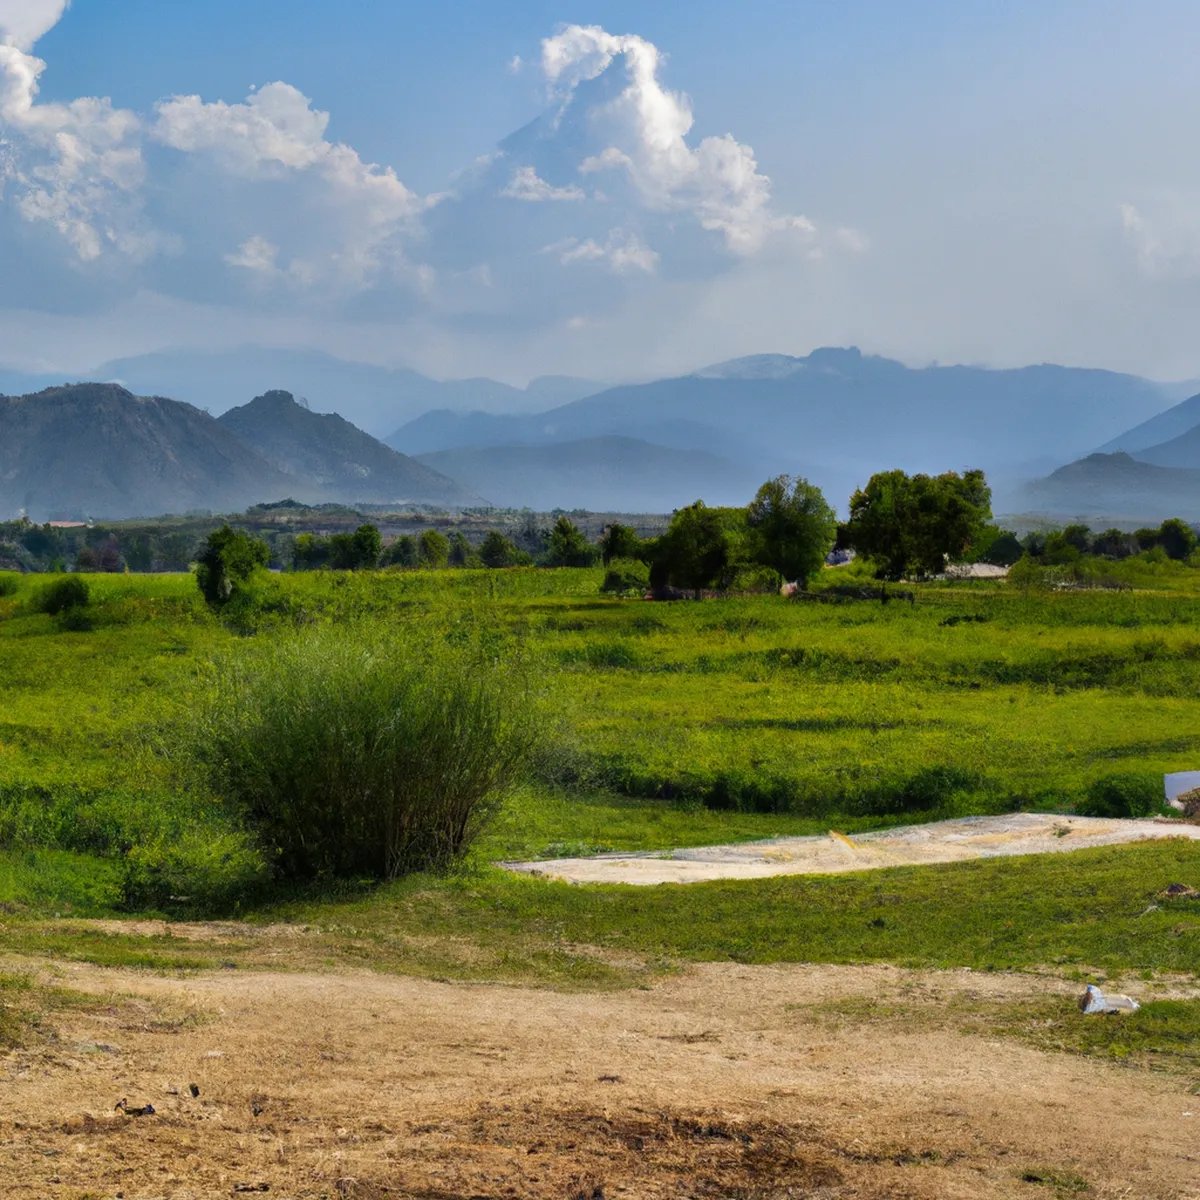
(723, 1081)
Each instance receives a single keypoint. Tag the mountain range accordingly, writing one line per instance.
(834, 416)
(97, 450)
(376, 399)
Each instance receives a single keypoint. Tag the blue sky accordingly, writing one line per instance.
(933, 180)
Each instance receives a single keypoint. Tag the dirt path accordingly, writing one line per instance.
(720, 1082)
(941, 841)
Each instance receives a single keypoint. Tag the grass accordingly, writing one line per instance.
(665, 725)
(25, 1004)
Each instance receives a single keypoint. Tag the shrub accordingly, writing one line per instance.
(626, 575)
(229, 560)
(358, 757)
(10, 581)
(1123, 794)
(57, 598)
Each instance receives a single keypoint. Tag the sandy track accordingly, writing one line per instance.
(910, 845)
(719, 1082)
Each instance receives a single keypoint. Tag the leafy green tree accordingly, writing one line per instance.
(309, 552)
(1177, 538)
(1003, 550)
(792, 528)
(434, 548)
(914, 524)
(139, 554)
(228, 562)
(357, 551)
(568, 547)
(1147, 539)
(498, 551)
(1060, 550)
(460, 554)
(1113, 543)
(403, 552)
(620, 541)
(697, 551)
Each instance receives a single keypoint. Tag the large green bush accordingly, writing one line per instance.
(1124, 794)
(63, 594)
(357, 756)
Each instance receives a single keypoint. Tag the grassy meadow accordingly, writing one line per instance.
(661, 725)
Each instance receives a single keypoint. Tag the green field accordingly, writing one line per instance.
(662, 725)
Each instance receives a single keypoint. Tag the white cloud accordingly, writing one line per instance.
(22, 22)
(623, 252)
(717, 181)
(604, 161)
(76, 166)
(255, 254)
(527, 185)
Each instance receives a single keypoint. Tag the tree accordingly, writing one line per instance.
(1112, 543)
(696, 552)
(309, 552)
(402, 552)
(1078, 536)
(227, 563)
(620, 541)
(460, 552)
(568, 547)
(792, 528)
(914, 524)
(434, 548)
(357, 551)
(497, 551)
(1177, 538)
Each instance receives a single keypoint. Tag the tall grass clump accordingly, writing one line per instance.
(355, 756)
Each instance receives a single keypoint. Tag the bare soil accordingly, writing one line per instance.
(910, 845)
(724, 1081)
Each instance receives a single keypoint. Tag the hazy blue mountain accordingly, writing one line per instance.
(376, 399)
(615, 474)
(97, 450)
(1115, 486)
(327, 458)
(1183, 451)
(1163, 427)
(836, 415)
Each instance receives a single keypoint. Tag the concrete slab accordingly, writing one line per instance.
(942, 841)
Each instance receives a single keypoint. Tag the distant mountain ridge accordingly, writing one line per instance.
(1163, 427)
(340, 459)
(97, 450)
(376, 399)
(1116, 485)
(836, 416)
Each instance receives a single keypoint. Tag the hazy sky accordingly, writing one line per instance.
(932, 180)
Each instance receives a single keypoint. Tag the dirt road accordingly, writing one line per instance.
(720, 1082)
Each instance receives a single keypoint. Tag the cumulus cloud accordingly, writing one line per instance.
(526, 184)
(22, 22)
(213, 200)
(717, 181)
(77, 166)
(621, 251)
